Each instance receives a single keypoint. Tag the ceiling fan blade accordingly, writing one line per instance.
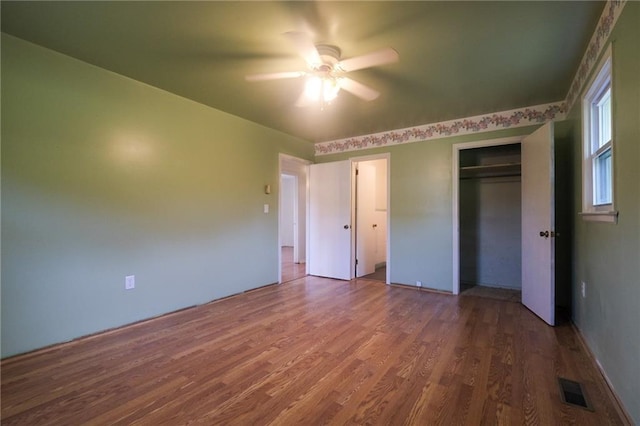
(358, 89)
(305, 47)
(379, 57)
(274, 76)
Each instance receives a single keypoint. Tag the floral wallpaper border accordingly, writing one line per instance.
(482, 123)
(607, 21)
(495, 121)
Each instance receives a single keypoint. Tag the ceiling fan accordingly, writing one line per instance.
(325, 75)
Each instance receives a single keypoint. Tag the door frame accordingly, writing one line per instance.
(302, 185)
(455, 191)
(383, 156)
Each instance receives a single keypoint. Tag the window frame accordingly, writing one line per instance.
(592, 149)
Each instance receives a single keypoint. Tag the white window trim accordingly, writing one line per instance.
(591, 212)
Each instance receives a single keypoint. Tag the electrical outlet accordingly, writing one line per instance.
(418, 283)
(129, 282)
(583, 289)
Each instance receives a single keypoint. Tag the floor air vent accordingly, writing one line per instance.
(572, 393)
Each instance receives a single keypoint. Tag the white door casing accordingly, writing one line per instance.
(538, 225)
(330, 220)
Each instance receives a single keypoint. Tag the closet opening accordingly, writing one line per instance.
(490, 216)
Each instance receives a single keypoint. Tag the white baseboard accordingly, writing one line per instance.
(612, 391)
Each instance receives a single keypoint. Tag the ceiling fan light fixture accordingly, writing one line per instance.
(313, 88)
(325, 75)
(330, 89)
(321, 89)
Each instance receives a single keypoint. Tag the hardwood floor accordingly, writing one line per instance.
(380, 274)
(314, 351)
(492, 293)
(290, 270)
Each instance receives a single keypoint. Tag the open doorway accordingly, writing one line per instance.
(371, 219)
(292, 228)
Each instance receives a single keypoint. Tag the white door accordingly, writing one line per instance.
(365, 219)
(330, 220)
(538, 283)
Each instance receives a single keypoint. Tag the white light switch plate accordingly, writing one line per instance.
(129, 282)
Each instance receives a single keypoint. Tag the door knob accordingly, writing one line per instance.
(544, 234)
(375, 225)
(346, 227)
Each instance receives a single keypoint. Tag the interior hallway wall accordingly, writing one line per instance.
(380, 213)
(299, 169)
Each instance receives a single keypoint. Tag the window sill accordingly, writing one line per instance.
(610, 216)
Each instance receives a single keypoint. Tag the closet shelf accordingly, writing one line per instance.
(490, 170)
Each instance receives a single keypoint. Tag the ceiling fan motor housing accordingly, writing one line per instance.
(329, 54)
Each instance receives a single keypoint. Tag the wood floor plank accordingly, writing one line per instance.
(290, 270)
(314, 351)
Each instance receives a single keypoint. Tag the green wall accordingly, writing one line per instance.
(103, 177)
(607, 256)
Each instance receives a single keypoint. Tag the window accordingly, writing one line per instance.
(597, 167)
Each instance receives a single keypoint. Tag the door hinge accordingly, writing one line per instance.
(356, 261)
(357, 171)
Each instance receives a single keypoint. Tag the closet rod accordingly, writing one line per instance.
(490, 176)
